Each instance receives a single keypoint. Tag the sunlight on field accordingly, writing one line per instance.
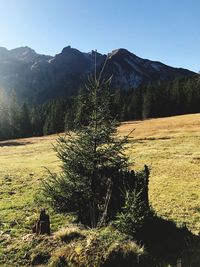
(22, 168)
(170, 146)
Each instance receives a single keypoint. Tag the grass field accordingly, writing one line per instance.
(170, 146)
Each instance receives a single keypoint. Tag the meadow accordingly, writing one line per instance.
(169, 146)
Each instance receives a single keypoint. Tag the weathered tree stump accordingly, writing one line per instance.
(43, 224)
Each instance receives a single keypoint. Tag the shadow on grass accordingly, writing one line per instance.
(168, 245)
(13, 143)
(165, 244)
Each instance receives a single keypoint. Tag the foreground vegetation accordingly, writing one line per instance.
(169, 145)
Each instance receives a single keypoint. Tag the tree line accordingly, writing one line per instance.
(54, 116)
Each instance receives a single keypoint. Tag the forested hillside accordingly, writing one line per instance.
(17, 119)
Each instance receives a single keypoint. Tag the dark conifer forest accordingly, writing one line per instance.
(19, 120)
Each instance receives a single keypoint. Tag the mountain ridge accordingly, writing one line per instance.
(38, 77)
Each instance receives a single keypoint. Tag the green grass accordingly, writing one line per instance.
(74, 245)
(170, 146)
(21, 172)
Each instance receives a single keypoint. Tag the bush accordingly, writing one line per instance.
(133, 215)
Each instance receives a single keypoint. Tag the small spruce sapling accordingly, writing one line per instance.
(92, 157)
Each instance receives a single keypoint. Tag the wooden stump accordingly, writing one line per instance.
(43, 224)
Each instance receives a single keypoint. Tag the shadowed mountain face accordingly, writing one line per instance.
(38, 77)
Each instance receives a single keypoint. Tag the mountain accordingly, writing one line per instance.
(38, 77)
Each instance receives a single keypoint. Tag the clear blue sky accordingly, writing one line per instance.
(163, 30)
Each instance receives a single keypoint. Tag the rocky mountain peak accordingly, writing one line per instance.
(40, 77)
(3, 50)
(3, 53)
(69, 51)
(119, 52)
(24, 53)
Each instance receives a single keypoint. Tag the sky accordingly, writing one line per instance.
(161, 30)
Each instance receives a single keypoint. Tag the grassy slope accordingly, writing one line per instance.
(169, 145)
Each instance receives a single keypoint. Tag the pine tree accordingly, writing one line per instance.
(37, 121)
(82, 108)
(133, 215)
(49, 124)
(14, 116)
(54, 122)
(5, 132)
(92, 158)
(147, 103)
(58, 109)
(25, 121)
(69, 120)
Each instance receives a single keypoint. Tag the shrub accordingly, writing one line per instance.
(133, 215)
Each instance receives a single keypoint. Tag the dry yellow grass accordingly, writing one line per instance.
(170, 146)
